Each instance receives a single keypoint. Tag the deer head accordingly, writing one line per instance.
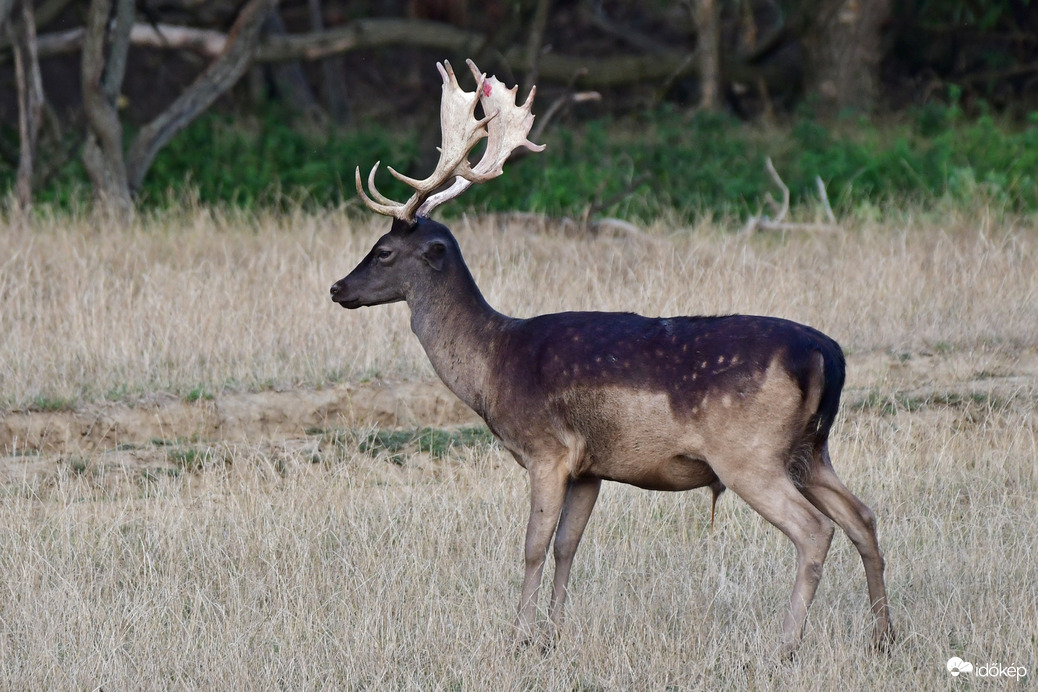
(416, 246)
(404, 262)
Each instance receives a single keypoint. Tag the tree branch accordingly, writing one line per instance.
(533, 44)
(115, 65)
(205, 42)
(600, 204)
(221, 75)
(558, 106)
(596, 16)
(368, 33)
(289, 80)
(41, 17)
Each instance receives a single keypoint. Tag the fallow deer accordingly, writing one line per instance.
(672, 403)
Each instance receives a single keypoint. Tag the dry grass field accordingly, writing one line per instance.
(204, 484)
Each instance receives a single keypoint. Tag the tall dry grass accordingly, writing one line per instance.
(270, 570)
(359, 574)
(205, 299)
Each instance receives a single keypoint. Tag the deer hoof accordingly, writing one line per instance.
(884, 638)
(784, 652)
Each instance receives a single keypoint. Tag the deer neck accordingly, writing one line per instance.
(458, 330)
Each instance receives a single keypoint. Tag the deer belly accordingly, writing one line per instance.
(634, 437)
(678, 472)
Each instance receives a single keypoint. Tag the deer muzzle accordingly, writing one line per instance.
(340, 293)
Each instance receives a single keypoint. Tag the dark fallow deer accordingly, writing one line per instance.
(671, 403)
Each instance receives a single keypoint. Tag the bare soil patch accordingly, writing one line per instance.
(128, 435)
(135, 436)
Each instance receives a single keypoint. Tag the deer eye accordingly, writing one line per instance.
(383, 254)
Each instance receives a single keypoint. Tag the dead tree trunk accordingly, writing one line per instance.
(288, 79)
(333, 70)
(102, 79)
(30, 99)
(706, 14)
(5, 11)
(842, 44)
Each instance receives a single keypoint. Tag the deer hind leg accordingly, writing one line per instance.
(548, 483)
(576, 510)
(826, 492)
(775, 498)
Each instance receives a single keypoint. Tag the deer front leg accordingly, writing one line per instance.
(576, 510)
(547, 492)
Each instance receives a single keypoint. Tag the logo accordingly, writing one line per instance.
(956, 666)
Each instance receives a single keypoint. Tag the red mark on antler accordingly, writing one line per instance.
(486, 88)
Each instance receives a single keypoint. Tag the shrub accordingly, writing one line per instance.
(634, 167)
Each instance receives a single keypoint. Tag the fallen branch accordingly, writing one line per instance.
(559, 106)
(763, 222)
(205, 42)
(573, 228)
(599, 204)
(364, 34)
(824, 197)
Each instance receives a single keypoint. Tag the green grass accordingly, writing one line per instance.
(199, 393)
(78, 465)
(892, 403)
(52, 404)
(664, 160)
(192, 458)
(398, 445)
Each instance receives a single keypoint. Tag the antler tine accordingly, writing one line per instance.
(384, 205)
(379, 197)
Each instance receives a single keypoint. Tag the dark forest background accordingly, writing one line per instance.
(646, 107)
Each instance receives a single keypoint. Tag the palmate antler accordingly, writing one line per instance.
(505, 125)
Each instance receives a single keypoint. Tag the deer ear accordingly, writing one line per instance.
(434, 252)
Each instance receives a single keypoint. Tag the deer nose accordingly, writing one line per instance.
(336, 289)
